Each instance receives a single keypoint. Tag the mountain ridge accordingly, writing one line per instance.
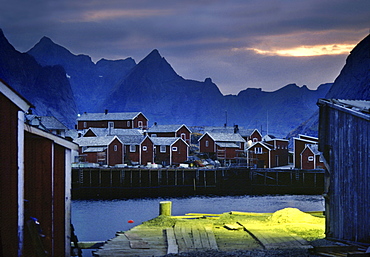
(153, 87)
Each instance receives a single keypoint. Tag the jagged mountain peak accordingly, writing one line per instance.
(353, 81)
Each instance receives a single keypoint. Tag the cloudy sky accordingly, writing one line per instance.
(238, 43)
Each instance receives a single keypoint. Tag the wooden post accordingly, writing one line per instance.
(165, 208)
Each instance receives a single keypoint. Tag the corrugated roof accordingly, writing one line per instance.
(164, 140)
(221, 129)
(165, 128)
(115, 132)
(227, 145)
(108, 116)
(356, 105)
(95, 149)
(93, 141)
(226, 137)
(131, 139)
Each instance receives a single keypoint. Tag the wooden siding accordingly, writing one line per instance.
(147, 155)
(9, 177)
(115, 156)
(344, 142)
(181, 155)
(211, 144)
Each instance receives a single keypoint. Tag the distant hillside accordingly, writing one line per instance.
(353, 83)
(90, 82)
(154, 88)
(47, 88)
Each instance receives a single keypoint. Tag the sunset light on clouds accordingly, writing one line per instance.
(304, 51)
(238, 43)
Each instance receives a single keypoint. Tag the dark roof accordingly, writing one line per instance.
(48, 122)
(166, 128)
(109, 116)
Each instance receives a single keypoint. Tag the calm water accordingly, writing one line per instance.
(99, 220)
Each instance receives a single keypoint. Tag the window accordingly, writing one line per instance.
(85, 124)
(207, 143)
(110, 124)
(132, 148)
(255, 139)
(128, 124)
(174, 148)
(258, 150)
(153, 135)
(145, 148)
(162, 149)
(310, 158)
(140, 124)
(183, 136)
(115, 148)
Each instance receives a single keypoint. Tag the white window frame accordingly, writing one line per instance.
(85, 124)
(140, 123)
(174, 148)
(183, 136)
(255, 139)
(115, 148)
(145, 148)
(207, 143)
(132, 148)
(310, 158)
(258, 150)
(128, 123)
(110, 124)
(162, 149)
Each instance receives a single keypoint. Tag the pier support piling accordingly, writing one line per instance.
(165, 208)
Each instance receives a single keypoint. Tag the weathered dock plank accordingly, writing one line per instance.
(172, 246)
(275, 239)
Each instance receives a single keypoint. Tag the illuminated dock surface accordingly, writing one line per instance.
(285, 229)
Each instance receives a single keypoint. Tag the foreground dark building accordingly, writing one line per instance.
(344, 141)
(35, 183)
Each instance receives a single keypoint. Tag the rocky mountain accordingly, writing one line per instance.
(47, 88)
(154, 88)
(90, 82)
(352, 83)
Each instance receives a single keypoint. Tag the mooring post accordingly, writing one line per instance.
(165, 208)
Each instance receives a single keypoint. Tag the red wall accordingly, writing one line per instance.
(147, 156)
(202, 145)
(9, 177)
(45, 191)
(181, 155)
(115, 157)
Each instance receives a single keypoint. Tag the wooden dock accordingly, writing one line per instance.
(187, 233)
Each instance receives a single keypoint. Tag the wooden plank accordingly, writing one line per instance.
(271, 239)
(139, 244)
(211, 238)
(203, 237)
(196, 238)
(172, 246)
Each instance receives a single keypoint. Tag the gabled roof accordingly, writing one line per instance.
(224, 137)
(165, 140)
(94, 141)
(114, 132)
(109, 116)
(166, 128)
(131, 139)
(47, 122)
(263, 144)
(314, 149)
(227, 145)
(359, 108)
(222, 129)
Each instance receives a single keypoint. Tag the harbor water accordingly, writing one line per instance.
(99, 220)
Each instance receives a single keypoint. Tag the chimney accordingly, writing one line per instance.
(106, 111)
(155, 123)
(236, 129)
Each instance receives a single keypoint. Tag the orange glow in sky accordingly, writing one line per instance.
(304, 51)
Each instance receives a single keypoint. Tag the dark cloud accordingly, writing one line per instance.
(197, 37)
